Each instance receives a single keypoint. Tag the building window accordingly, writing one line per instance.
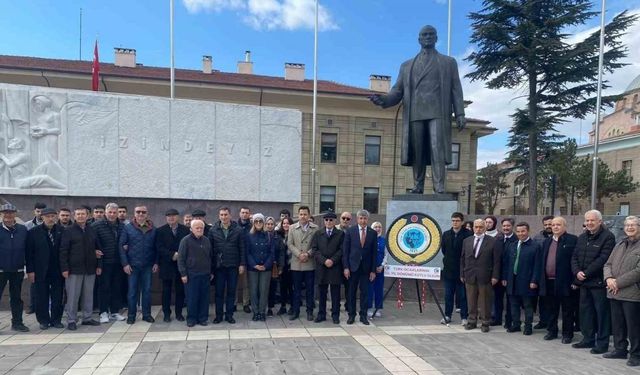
(455, 157)
(370, 200)
(327, 198)
(372, 150)
(626, 166)
(329, 148)
(623, 210)
(329, 122)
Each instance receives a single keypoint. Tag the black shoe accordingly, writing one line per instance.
(290, 312)
(204, 323)
(470, 326)
(131, 320)
(57, 325)
(615, 354)
(90, 322)
(507, 325)
(294, 316)
(191, 324)
(550, 336)
(217, 320)
(540, 325)
(247, 309)
(148, 319)
(513, 329)
(416, 190)
(582, 345)
(310, 317)
(19, 327)
(336, 321)
(269, 312)
(351, 320)
(495, 323)
(180, 318)
(528, 330)
(254, 318)
(320, 318)
(282, 310)
(262, 317)
(567, 340)
(167, 319)
(633, 362)
(72, 326)
(597, 350)
(364, 320)
(484, 328)
(230, 320)
(44, 326)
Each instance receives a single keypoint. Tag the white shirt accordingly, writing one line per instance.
(477, 245)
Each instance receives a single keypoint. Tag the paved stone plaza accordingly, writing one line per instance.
(402, 342)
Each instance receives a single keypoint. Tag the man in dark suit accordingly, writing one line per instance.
(479, 270)
(326, 246)
(429, 87)
(452, 251)
(168, 239)
(521, 272)
(503, 240)
(556, 279)
(43, 269)
(358, 261)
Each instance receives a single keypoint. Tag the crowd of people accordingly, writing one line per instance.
(96, 258)
(590, 279)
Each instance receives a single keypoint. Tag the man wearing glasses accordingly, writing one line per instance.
(345, 221)
(138, 258)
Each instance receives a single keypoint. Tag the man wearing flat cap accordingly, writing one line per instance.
(168, 239)
(13, 242)
(200, 215)
(43, 269)
(326, 247)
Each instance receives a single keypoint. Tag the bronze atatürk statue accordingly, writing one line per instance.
(430, 90)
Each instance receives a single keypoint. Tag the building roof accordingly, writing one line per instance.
(185, 75)
(634, 85)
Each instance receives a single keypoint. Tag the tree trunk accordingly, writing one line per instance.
(532, 142)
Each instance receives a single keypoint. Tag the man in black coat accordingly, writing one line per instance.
(522, 277)
(326, 246)
(359, 263)
(452, 251)
(556, 280)
(503, 240)
(168, 239)
(43, 269)
(109, 284)
(592, 252)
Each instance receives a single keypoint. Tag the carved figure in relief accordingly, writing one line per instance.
(17, 164)
(45, 130)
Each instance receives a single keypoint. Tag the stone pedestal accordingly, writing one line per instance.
(438, 207)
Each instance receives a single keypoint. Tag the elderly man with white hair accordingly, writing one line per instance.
(592, 251)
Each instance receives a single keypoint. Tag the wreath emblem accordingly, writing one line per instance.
(414, 239)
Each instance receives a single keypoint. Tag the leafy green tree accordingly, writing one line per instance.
(523, 45)
(490, 184)
(611, 184)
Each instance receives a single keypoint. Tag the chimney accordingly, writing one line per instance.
(207, 64)
(246, 66)
(379, 83)
(125, 57)
(294, 72)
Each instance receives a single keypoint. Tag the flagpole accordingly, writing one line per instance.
(313, 115)
(594, 176)
(173, 72)
(80, 47)
(449, 30)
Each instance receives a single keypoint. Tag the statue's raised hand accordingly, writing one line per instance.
(376, 99)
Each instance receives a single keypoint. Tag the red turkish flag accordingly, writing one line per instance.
(95, 70)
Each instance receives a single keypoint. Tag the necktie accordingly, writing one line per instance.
(363, 234)
(50, 233)
(476, 248)
(515, 266)
(328, 233)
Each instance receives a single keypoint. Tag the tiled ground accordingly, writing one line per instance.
(402, 342)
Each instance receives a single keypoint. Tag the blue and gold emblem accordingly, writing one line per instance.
(414, 239)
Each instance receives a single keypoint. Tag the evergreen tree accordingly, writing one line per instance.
(490, 185)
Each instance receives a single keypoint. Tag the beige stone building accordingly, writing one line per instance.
(357, 144)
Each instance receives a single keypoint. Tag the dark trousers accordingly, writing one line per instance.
(358, 279)
(454, 289)
(109, 284)
(479, 303)
(376, 291)
(595, 316)
(198, 297)
(552, 305)
(286, 286)
(499, 307)
(140, 278)
(49, 288)
(525, 303)
(32, 297)
(335, 300)
(15, 289)
(273, 292)
(226, 284)
(540, 307)
(308, 278)
(426, 135)
(167, 290)
(625, 321)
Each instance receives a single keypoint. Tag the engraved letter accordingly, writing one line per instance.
(188, 146)
(231, 145)
(164, 144)
(144, 143)
(268, 150)
(124, 142)
(210, 147)
(102, 141)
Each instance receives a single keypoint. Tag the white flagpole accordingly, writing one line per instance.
(594, 176)
(449, 30)
(173, 72)
(313, 116)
